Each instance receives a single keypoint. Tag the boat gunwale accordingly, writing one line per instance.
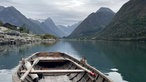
(15, 77)
(86, 65)
(91, 68)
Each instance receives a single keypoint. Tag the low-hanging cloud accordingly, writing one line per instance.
(63, 12)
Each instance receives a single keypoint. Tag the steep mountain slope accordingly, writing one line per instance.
(67, 30)
(94, 23)
(128, 24)
(1, 8)
(49, 26)
(13, 16)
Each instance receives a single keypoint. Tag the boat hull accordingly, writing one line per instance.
(56, 67)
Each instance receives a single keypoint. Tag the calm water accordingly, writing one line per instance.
(121, 61)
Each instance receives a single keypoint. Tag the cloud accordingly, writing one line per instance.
(63, 12)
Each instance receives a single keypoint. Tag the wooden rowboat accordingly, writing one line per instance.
(56, 67)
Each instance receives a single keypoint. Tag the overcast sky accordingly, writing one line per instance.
(63, 12)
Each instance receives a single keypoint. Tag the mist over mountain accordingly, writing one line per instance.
(35, 21)
(94, 23)
(67, 30)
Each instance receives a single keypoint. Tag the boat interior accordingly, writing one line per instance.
(67, 76)
(58, 67)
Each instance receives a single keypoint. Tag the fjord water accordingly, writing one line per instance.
(121, 61)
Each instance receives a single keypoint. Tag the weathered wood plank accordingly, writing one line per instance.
(61, 78)
(27, 72)
(100, 79)
(87, 70)
(29, 79)
(53, 71)
(51, 58)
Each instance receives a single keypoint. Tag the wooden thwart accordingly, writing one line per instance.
(61, 58)
(53, 71)
(56, 67)
(51, 58)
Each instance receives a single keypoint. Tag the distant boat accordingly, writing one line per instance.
(56, 67)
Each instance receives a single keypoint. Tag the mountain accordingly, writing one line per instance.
(94, 23)
(63, 29)
(49, 26)
(35, 21)
(67, 30)
(1, 8)
(128, 24)
(13, 16)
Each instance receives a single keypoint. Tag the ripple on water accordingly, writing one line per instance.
(116, 77)
(6, 75)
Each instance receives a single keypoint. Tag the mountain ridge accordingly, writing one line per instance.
(128, 23)
(13, 16)
(94, 23)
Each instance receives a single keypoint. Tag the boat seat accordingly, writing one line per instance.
(53, 71)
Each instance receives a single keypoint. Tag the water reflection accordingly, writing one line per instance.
(93, 53)
(65, 47)
(120, 60)
(10, 55)
(128, 57)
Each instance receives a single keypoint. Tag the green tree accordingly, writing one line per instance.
(24, 29)
(48, 36)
